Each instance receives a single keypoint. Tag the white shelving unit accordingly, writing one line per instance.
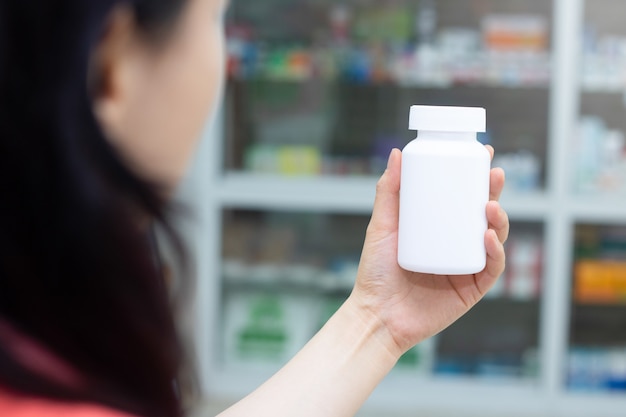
(209, 191)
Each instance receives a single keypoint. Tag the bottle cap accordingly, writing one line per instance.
(448, 119)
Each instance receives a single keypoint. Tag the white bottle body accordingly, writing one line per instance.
(443, 197)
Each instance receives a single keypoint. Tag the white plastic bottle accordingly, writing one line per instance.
(444, 192)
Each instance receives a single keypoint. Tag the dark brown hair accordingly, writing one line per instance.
(77, 273)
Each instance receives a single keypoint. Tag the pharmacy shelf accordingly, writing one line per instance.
(408, 393)
(356, 195)
(495, 397)
(607, 89)
(320, 194)
(339, 290)
(526, 206)
(556, 208)
(597, 209)
(587, 404)
(512, 85)
(480, 84)
(248, 286)
(339, 195)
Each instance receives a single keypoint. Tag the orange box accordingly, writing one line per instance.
(515, 32)
(598, 281)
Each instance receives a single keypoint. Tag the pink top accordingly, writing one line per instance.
(39, 360)
(15, 405)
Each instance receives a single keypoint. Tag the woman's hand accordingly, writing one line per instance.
(389, 311)
(413, 306)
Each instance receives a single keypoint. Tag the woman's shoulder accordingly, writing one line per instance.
(16, 405)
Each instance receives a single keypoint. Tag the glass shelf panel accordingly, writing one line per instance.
(598, 145)
(285, 273)
(324, 88)
(597, 356)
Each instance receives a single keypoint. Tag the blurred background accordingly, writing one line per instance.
(318, 93)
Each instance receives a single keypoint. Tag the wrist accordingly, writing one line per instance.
(373, 328)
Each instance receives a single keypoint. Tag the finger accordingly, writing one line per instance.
(495, 262)
(498, 220)
(497, 180)
(491, 151)
(387, 203)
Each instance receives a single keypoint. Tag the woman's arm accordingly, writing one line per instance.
(389, 311)
(331, 376)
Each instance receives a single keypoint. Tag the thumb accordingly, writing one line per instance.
(387, 203)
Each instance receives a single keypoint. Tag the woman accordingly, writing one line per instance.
(101, 102)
